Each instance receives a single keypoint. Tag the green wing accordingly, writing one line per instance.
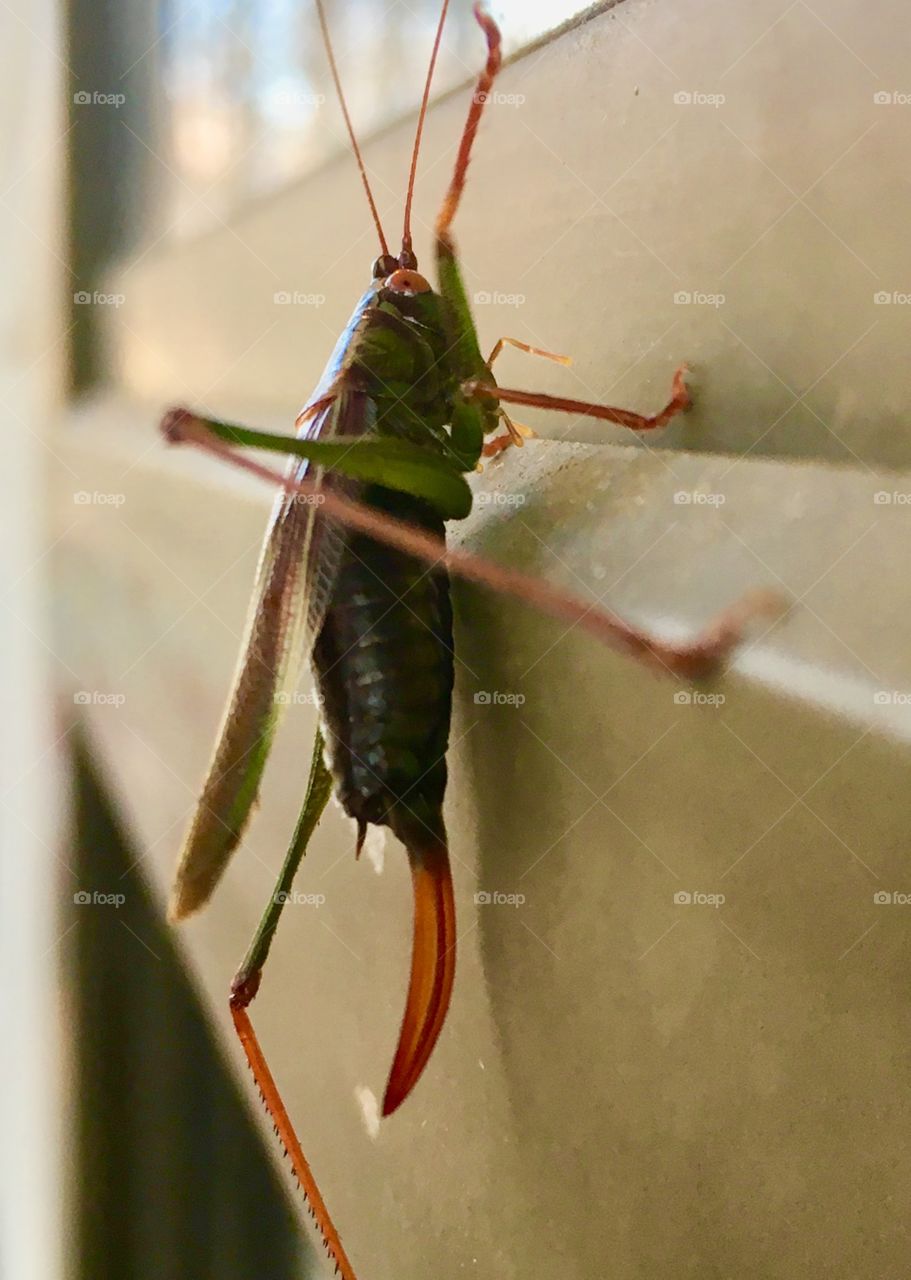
(293, 586)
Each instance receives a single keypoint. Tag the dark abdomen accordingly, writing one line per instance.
(384, 668)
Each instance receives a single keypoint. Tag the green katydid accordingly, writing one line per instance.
(405, 409)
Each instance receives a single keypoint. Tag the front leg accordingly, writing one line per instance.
(679, 402)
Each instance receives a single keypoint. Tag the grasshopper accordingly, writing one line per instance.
(353, 576)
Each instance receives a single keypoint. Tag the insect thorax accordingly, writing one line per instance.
(402, 360)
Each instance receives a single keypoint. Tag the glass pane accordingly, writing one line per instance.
(246, 96)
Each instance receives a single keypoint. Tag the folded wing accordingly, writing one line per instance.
(294, 581)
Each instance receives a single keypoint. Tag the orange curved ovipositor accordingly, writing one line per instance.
(432, 973)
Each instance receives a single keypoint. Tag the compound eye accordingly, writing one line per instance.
(384, 266)
(407, 282)
(408, 260)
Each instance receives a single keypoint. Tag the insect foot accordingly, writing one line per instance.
(704, 655)
(177, 425)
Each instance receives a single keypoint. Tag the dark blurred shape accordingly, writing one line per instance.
(112, 63)
(172, 1180)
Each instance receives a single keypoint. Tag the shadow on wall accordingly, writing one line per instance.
(169, 1176)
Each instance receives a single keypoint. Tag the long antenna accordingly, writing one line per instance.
(357, 151)
(422, 115)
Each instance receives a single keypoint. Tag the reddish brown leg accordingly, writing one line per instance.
(242, 994)
(244, 989)
(679, 401)
(482, 90)
(515, 432)
(529, 350)
(704, 655)
(699, 658)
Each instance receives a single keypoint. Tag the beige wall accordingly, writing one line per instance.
(627, 1086)
(31, 270)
